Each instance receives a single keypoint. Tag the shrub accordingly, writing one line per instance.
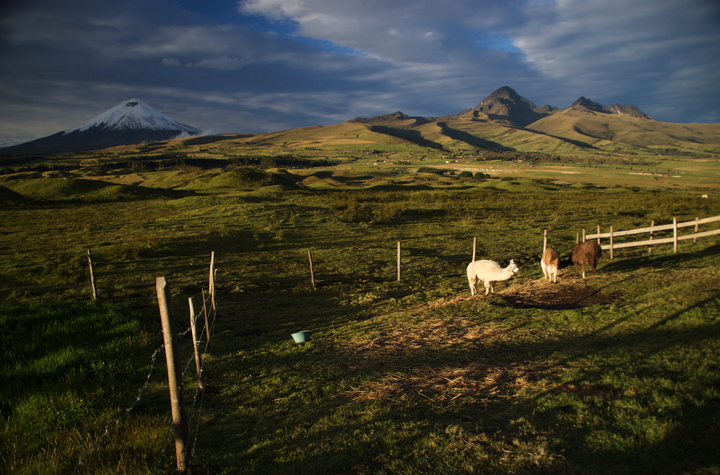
(370, 212)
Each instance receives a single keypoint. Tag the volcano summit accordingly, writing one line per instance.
(129, 122)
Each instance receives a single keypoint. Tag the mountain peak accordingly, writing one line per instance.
(505, 92)
(583, 103)
(134, 114)
(130, 122)
(506, 105)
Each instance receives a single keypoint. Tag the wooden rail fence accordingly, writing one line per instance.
(676, 237)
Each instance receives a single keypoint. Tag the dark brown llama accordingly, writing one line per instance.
(586, 254)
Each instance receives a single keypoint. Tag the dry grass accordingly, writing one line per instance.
(414, 351)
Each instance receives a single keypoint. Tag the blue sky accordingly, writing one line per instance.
(228, 66)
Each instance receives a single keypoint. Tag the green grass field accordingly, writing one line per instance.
(615, 373)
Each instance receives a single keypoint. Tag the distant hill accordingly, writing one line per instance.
(504, 121)
(129, 122)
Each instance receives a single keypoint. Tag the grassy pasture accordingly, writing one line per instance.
(617, 373)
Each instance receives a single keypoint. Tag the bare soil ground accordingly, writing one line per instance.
(561, 296)
(425, 365)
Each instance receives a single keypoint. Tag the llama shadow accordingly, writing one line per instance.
(560, 297)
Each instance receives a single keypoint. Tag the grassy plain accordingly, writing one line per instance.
(615, 373)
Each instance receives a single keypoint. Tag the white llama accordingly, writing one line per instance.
(489, 272)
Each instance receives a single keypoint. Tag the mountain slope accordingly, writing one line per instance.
(603, 128)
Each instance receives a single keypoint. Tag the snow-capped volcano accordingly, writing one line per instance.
(130, 122)
(134, 114)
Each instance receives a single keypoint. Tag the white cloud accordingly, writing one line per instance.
(398, 30)
(619, 47)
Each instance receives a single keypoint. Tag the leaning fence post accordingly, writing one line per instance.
(545, 234)
(312, 269)
(178, 414)
(398, 261)
(207, 324)
(675, 235)
(196, 343)
(474, 248)
(92, 275)
(211, 281)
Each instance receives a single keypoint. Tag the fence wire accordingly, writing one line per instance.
(195, 413)
(197, 401)
(114, 427)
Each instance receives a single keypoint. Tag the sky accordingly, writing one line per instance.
(249, 66)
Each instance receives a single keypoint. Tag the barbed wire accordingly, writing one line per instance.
(122, 416)
(202, 392)
(195, 412)
(196, 408)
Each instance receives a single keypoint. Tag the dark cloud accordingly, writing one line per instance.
(264, 65)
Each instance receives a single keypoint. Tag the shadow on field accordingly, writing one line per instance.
(479, 377)
(652, 261)
(559, 297)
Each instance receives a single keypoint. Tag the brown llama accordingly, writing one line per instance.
(586, 254)
(550, 263)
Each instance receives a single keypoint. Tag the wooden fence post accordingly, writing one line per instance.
(207, 324)
(196, 351)
(474, 248)
(696, 227)
(612, 244)
(598, 231)
(398, 261)
(545, 234)
(92, 275)
(178, 414)
(675, 235)
(652, 225)
(312, 269)
(211, 281)
(584, 234)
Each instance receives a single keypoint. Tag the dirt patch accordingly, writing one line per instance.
(442, 385)
(560, 296)
(429, 363)
(425, 367)
(430, 335)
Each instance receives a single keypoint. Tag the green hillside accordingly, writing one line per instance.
(602, 130)
(567, 132)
